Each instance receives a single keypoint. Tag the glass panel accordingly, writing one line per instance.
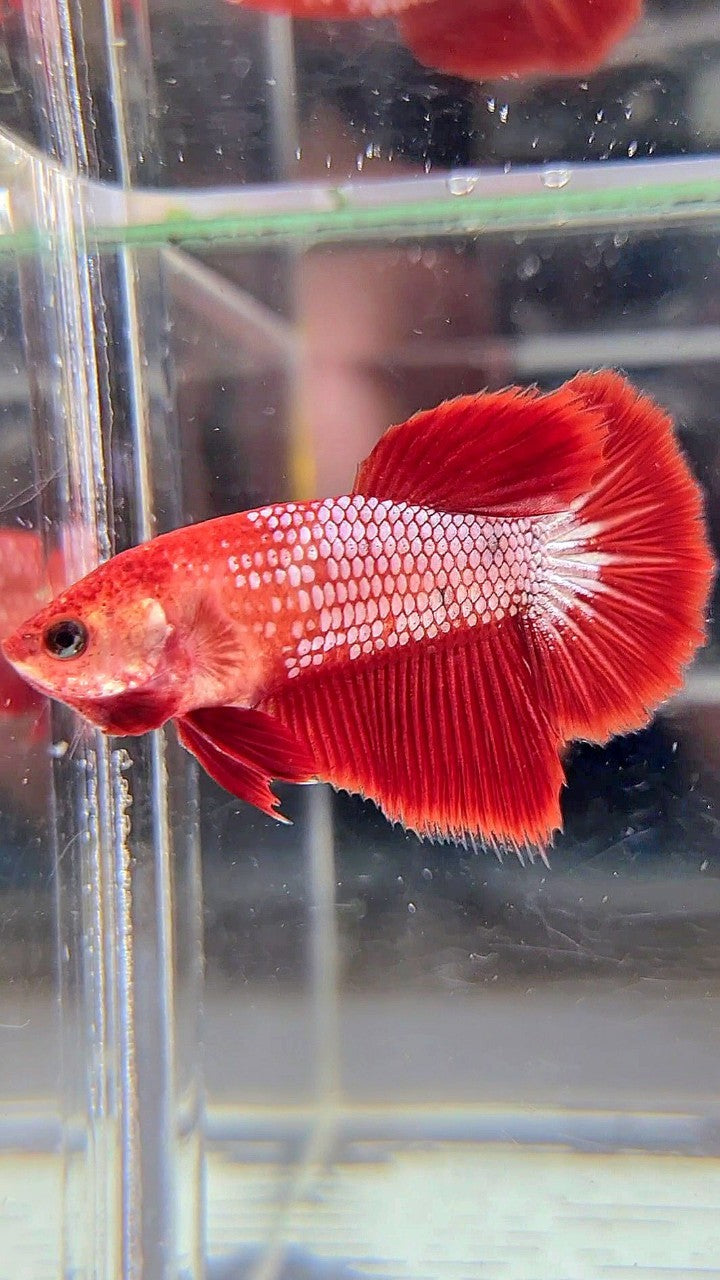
(31, 1105)
(235, 247)
(385, 1017)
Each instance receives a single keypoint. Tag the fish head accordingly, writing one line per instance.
(104, 648)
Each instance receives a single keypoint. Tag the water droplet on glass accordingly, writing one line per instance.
(556, 179)
(8, 84)
(462, 184)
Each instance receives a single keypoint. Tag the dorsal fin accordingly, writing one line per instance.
(500, 452)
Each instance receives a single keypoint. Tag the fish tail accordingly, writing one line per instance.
(517, 36)
(628, 573)
(460, 735)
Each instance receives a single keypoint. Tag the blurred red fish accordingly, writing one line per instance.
(510, 571)
(24, 586)
(482, 38)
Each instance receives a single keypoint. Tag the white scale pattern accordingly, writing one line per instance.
(363, 575)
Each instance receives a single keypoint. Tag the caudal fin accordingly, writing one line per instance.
(628, 574)
(502, 37)
(461, 735)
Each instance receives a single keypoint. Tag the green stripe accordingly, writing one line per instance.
(460, 215)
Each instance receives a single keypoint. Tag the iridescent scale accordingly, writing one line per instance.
(360, 576)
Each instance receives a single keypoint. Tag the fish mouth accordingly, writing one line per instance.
(12, 650)
(15, 652)
(26, 673)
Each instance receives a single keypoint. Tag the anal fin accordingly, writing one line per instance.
(447, 739)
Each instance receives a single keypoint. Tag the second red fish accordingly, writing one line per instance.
(481, 38)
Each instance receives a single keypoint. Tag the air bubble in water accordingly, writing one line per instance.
(529, 267)
(462, 184)
(556, 179)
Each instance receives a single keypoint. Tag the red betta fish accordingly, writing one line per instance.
(481, 38)
(511, 571)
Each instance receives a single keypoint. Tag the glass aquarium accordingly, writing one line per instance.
(235, 246)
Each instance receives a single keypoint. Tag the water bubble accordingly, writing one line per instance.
(529, 267)
(556, 179)
(412, 908)
(462, 184)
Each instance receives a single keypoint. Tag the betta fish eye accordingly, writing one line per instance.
(66, 639)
